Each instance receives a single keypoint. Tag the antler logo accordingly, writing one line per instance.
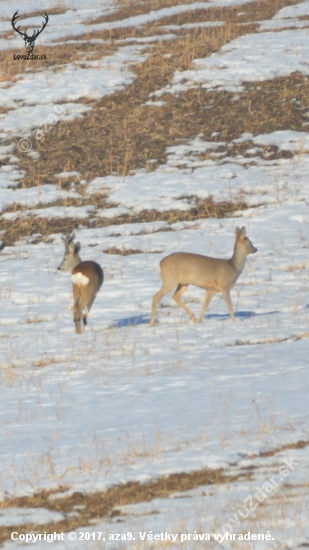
(29, 40)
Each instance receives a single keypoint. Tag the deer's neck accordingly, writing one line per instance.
(238, 259)
(76, 261)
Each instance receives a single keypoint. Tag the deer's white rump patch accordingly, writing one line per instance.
(79, 279)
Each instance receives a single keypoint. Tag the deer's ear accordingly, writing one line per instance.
(65, 241)
(240, 232)
(77, 248)
(68, 239)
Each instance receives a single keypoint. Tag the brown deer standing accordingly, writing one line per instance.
(87, 278)
(182, 269)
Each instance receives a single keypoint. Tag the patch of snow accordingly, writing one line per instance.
(151, 103)
(78, 212)
(285, 140)
(20, 516)
(249, 58)
(203, 24)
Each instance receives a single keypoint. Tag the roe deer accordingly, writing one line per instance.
(213, 274)
(87, 278)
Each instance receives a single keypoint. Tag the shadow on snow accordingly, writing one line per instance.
(131, 321)
(137, 320)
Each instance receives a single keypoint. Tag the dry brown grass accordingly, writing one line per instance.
(120, 134)
(297, 445)
(56, 10)
(122, 251)
(102, 504)
(43, 227)
(251, 11)
(99, 200)
(96, 506)
(126, 9)
(131, 135)
(57, 56)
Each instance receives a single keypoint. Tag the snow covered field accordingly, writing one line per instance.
(124, 402)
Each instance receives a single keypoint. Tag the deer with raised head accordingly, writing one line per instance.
(87, 278)
(182, 269)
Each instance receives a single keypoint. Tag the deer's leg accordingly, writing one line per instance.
(87, 309)
(81, 304)
(77, 319)
(177, 297)
(208, 296)
(77, 310)
(156, 299)
(78, 326)
(227, 298)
